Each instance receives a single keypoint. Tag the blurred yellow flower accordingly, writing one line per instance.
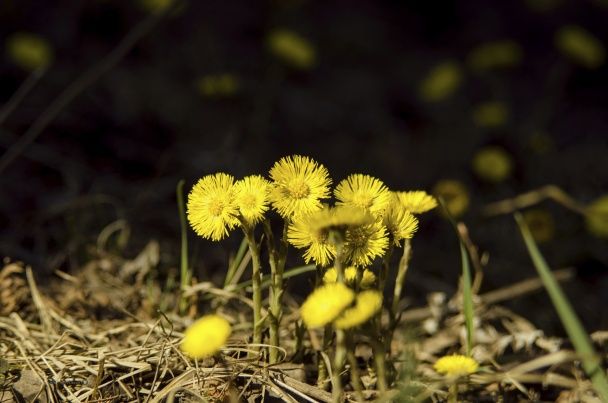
(325, 304)
(292, 48)
(339, 218)
(495, 55)
(29, 51)
(299, 184)
(218, 85)
(399, 222)
(368, 278)
(581, 46)
(454, 195)
(417, 201)
(456, 365)
(541, 224)
(206, 336)
(156, 6)
(252, 197)
(441, 82)
(597, 217)
(490, 114)
(364, 243)
(492, 164)
(212, 209)
(365, 192)
(367, 304)
(303, 232)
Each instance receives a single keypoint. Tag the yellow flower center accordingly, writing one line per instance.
(358, 238)
(299, 189)
(248, 201)
(363, 200)
(216, 207)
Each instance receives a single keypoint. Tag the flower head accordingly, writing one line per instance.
(212, 209)
(399, 222)
(206, 336)
(339, 218)
(367, 304)
(299, 184)
(325, 304)
(493, 164)
(442, 81)
(292, 48)
(455, 195)
(365, 192)
(364, 243)
(350, 276)
(456, 365)
(303, 232)
(252, 197)
(417, 201)
(29, 51)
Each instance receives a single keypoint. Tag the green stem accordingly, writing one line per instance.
(256, 283)
(400, 280)
(386, 262)
(185, 274)
(453, 393)
(355, 377)
(277, 266)
(339, 357)
(380, 363)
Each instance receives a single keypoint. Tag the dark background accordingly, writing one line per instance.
(119, 149)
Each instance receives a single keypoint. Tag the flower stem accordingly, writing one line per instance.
(380, 363)
(453, 393)
(277, 260)
(339, 357)
(256, 283)
(400, 280)
(355, 377)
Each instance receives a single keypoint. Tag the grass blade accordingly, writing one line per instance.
(467, 297)
(236, 262)
(577, 334)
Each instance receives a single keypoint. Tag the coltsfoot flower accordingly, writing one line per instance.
(252, 197)
(212, 209)
(325, 304)
(299, 185)
(365, 243)
(368, 278)
(206, 336)
(454, 194)
(367, 304)
(492, 164)
(417, 201)
(363, 191)
(29, 51)
(399, 222)
(456, 365)
(339, 218)
(303, 233)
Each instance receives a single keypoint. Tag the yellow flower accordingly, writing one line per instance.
(155, 6)
(456, 365)
(399, 222)
(581, 46)
(339, 218)
(212, 208)
(218, 85)
(541, 224)
(492, 164)
(299, 185)
(303, 232)
(417, 201)
(597, 217)
(292, 48)
(367, 304)
(252, 197)
(490, 114)
(325, 304)
(29, 51)
(368, 278)
(365, 192)
(495, 55)
(365, 243)
(454, 194)
(441, 82)
(206, 336)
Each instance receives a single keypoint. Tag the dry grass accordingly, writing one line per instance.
(98, 336)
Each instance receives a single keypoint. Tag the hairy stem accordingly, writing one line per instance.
(256, 283)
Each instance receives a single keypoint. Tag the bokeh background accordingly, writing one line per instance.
(477, 100)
